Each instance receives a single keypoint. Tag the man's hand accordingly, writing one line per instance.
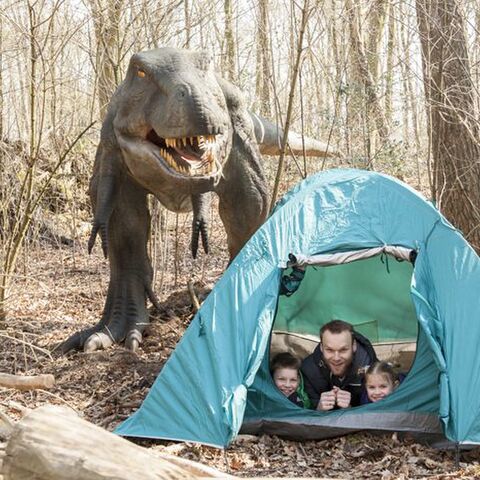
(327, 401)
(343, 398)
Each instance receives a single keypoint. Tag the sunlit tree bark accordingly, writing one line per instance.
(106, 15)
(372, 115)
(262, 86)
(229, 68)
(452, 125)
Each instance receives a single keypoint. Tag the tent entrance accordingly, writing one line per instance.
(372, 293)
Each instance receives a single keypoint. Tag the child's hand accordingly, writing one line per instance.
(343, 398)
(327, 401)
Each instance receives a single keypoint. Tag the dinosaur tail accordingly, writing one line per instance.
(269, 138)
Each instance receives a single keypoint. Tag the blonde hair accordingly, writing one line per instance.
(382, 368)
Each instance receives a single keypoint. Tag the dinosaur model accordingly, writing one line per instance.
(176, 130)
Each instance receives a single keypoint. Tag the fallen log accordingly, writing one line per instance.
(53, 443)
(26, 382)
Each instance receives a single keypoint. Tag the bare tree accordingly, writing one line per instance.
(262, 82)
(391, 44)
(363, 76)
(106, 16)
(1, 83)
(188, 24)
(452, 125)
(30, 172)
(229, 66)
(306, 13)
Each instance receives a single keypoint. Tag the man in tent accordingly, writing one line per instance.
(333, 372)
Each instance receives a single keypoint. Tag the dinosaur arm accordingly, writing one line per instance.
(106, 177)
(200, 205)
(269, 138)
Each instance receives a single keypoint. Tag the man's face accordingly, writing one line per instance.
(338, 350)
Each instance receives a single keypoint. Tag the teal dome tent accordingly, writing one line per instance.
(378, 255)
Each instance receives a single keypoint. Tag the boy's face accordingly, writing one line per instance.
(378, 386)
(338, 350)
(286, 380)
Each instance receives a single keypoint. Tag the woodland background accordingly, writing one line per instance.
(393, 85)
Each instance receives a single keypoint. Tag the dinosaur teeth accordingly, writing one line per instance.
(201, 140)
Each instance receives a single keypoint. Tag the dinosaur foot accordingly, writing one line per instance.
(101, 337)
(124, 318)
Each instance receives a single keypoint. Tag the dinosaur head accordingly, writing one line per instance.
(172, 123)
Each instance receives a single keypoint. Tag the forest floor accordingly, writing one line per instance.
(61, 289)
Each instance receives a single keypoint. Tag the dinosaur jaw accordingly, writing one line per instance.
(194, 156)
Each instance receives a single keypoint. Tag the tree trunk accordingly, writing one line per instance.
(230, 42)
(1, 85)
(450, 99)
(53, 443)
(106, 19)
(262, 87)
(378, 12)
(391, 44)
(188, 24)
(374, 117)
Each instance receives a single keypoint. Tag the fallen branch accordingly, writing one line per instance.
(25, 382)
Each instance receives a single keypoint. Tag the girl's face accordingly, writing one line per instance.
(378, 386)
(286, 380)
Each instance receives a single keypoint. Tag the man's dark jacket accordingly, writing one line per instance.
(318, 378)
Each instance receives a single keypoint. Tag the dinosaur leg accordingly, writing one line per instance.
(125, 314)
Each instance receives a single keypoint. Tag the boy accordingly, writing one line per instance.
(285, 369)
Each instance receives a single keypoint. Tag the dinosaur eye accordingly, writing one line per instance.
(141, 73)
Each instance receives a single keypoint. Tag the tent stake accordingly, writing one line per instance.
(457, 455)
(225, 459)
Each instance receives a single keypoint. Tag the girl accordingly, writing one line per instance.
(380, 381)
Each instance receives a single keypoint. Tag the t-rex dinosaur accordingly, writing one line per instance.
(178, 131)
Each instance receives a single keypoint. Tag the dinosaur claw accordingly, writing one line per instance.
(92, 238)
(203, 231)
(104, 239)
(102, 230)
(97, 341)
(132, 345)
(195, 235)
(133, 340)
(199, 230)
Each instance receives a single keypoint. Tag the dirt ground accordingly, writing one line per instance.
(60, 290)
